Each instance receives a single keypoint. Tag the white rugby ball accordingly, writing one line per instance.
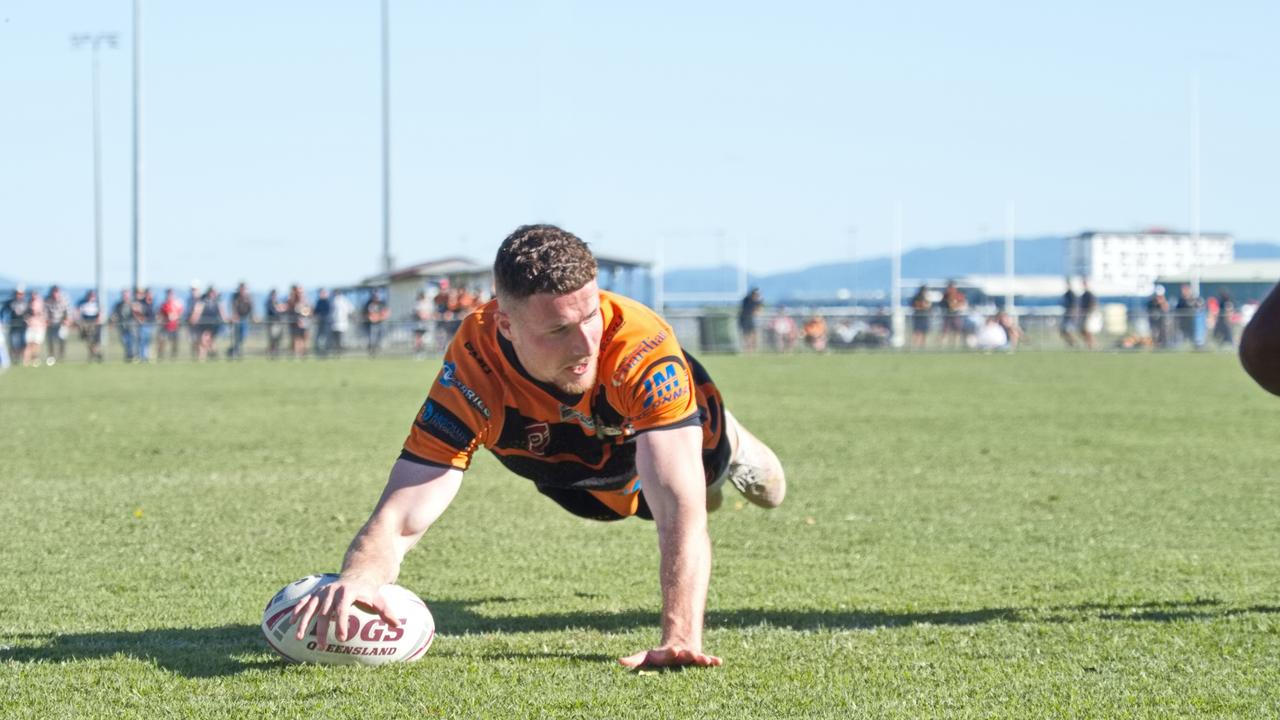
(370, 640)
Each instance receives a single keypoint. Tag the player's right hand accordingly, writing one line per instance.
(332, 603)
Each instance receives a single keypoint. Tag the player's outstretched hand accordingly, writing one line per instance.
(670, 656)
(332, 604)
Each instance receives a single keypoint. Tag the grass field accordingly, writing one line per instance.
(1040, 535)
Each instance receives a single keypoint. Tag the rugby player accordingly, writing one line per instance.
(589, 395)
(1260, 344)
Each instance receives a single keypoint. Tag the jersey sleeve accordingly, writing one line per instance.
(657, 391)
(455, 418)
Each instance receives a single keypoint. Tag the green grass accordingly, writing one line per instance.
(1043, 535)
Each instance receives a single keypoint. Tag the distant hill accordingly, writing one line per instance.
(1032, 256)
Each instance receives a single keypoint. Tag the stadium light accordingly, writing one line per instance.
(96, 41)
(386, 141)
(137, 146)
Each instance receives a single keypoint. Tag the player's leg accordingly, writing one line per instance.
(754, 469)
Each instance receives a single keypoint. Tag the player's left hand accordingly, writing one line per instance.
(670, 656)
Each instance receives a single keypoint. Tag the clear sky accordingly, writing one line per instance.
(787, 128)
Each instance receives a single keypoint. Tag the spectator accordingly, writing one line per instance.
(845, 334)
(1070, 316)
(747, 316)
(1187, 310)
(1222, 327)
(90, 314)
(194, 298)
(954, 305)
(992, 335)
(171, 311)
(298, 314)
(273, 312)
(57, 310)
(815, 333)
(1158, 317)
(783, 330)
(1011, 329)
(37, 329)
(375, 318)
(144, 310)
(241, 318)
(322, 316)
(14, 315)
(1090, 318)
(920, 310)
(126, 324)
(341, 315)
(422, 309)
(208, 318)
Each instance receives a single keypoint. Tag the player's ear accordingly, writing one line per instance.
(504, 323)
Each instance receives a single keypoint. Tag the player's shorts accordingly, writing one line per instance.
(629, 500)
(34, 335)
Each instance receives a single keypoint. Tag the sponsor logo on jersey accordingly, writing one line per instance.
(441, 423)
(662, 386)
(475, 355)
(539, 435)
(632, 360)
(612, 330)
(449, 378)
(590, 423)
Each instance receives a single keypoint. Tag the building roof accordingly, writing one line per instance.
(1154, 231)
(444, 267)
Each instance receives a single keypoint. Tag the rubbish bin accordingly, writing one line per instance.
(717, 333)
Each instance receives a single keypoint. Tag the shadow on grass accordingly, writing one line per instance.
(460, 617)
(191, 652)
(216, 652)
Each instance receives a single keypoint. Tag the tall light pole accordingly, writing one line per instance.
(136, 278)
(95, 41)
(386, 140)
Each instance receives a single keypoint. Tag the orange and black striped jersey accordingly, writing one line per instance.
(483, 397)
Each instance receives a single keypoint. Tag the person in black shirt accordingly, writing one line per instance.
(1222, 325)
(1088, 313)
(751, 305)
(375, 317)
(144, 311)
(1070, 315)
(14, 314)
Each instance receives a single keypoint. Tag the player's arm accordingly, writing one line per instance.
(414, 498)
(1260, 344)
(670, 466)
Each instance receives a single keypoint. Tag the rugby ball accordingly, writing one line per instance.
(370, 640)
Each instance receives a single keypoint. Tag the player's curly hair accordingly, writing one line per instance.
(542, 259)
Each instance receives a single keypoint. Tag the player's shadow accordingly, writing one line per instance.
(232, 649)
(466, 617)
(190, 652)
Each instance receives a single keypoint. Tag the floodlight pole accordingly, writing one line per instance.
(895, 289)
(1195, 183)
(1008, 258)
(386, 141)
(95, 42)
(136, 277)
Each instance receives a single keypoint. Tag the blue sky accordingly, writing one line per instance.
(787, 129)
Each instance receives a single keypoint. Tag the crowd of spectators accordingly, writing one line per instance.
(296, 325)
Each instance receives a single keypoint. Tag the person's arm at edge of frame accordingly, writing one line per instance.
(415, 496)
(1260, 344)
(669, 463)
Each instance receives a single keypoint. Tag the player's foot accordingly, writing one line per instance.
(754, 470)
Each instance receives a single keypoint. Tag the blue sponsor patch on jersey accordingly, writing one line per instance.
(663, 385)
(438, 422)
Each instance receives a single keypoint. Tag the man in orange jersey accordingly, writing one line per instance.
(587, 394)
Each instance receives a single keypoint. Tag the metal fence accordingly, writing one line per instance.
(1113, 327)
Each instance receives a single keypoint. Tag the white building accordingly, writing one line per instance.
(1133, 260)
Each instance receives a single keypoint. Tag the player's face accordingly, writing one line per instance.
(557, 337)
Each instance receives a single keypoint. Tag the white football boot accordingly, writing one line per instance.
(754, 469)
